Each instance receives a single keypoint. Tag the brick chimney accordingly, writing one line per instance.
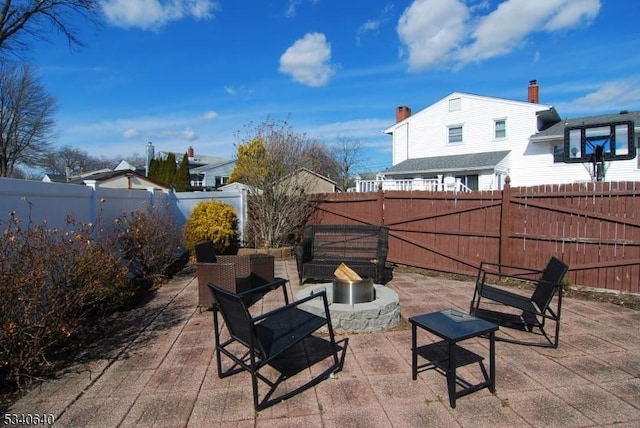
(402, 112)
(534, 92)
(190, 152)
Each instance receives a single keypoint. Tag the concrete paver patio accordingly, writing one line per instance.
(164, 374)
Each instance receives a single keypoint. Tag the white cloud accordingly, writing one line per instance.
(154, 14)
(292, 7)
(147, 128)
(308, 60)
(611, 95)
(130, 133)
(373, 25)
(189, 134)
(447, 32)
(210, 115)
(370, 26)
(536, 57)
(356, 128)
(430, 30)
(230, 90)
(572, 14)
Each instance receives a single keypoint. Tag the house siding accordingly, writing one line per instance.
(427, 130)
(539, 168)
(426, 134)
(400, 143)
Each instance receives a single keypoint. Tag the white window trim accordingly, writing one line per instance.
(495, 122)
(458, 125)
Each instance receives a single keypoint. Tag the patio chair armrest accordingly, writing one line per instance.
(263, 289)
(482, 279)
(322, 294)
(496, 269)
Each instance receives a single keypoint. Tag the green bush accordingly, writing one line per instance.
(213, 221)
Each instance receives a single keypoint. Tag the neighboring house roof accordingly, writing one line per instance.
(134, 179)
(213, 174)
(62, 178)
(222, 167)
(195, 161)
(234, 187)
(320, 176)
(556, 132)
(54, 178)
(464, 162)
(124, 165)
(311, 186)
(311, 181)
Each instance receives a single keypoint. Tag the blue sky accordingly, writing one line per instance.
(183, 73)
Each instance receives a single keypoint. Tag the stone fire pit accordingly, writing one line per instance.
(381, 313)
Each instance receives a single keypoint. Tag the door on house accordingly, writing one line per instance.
(471, 181)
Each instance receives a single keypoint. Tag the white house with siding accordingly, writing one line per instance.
(472, 142)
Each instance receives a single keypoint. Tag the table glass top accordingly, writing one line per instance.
(453, 325)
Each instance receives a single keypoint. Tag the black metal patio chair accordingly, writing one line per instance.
(282, 339)
(535, 308)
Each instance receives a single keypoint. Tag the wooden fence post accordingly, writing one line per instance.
(505, 222)
(380, 197)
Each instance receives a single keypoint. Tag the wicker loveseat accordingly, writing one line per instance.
(236, 273)
(323, 247)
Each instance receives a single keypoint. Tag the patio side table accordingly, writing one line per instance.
(454, 326)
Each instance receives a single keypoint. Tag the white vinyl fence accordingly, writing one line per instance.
(38, 201)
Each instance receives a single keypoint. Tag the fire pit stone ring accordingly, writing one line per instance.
(379, 314)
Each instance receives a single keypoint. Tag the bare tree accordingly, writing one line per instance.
(347, 153)
(24, 19)
(67, 159)
(319, 159)
(269, 160)
(26, 118)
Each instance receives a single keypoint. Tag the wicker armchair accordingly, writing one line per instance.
(233, 273)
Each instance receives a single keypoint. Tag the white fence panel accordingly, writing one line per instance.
(45, 201)
(53, 202)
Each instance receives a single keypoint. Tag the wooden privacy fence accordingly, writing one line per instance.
(593, 227)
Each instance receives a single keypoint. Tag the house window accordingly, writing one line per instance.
(500, 129)
(455, 104)
(455, 134)
(558, 153)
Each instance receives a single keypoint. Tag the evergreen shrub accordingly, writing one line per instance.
(213, 221)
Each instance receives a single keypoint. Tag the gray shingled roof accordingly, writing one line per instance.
(471, 161)
(557, 131)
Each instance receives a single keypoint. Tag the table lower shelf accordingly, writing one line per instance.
(438, 357)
